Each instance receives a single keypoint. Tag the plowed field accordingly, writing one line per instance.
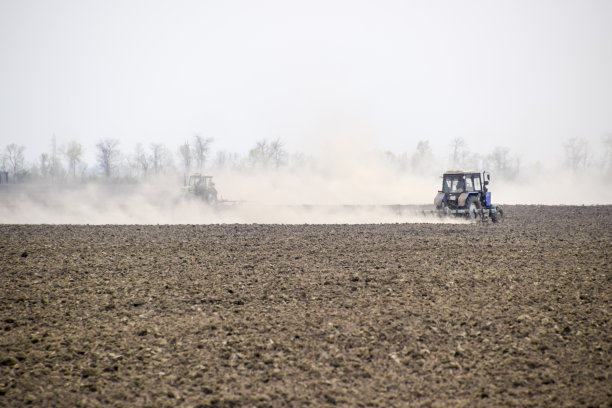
(514, 314)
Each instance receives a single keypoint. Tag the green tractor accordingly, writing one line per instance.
(201, 187)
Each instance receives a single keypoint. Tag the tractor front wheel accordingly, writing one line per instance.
(211, 197)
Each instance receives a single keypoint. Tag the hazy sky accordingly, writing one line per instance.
(523, 74)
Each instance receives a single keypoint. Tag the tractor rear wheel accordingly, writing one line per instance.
(474, 207)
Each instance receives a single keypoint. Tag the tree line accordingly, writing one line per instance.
(65, 163)
(501, 161)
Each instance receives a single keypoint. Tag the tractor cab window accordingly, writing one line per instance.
(447, 186)
(468, 184)
(453, 184)
(477, 185)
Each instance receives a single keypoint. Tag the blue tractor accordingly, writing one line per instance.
(465, 194)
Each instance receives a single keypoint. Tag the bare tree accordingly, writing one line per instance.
(108, 155)
(55, 162)
(501, 162)
(226, 160)
(73, 153)
(58, 172)
(45, 165)
(422, 157)
(157, 157)
(267, 153)
(81, 169)
(577, 154)
(14, 159)
(457, 153)
(258, 155)
(201, 147)
(278, 155)
(143, 161)
(186, 156)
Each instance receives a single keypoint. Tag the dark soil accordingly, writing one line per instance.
(515, 314)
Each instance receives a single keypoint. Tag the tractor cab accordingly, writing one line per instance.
(199, 181)
(458, 182)
(202, 187)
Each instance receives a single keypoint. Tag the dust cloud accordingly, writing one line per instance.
(554, 187)
(256, 197)
(340, 186)
(345, 182)
(349, 186)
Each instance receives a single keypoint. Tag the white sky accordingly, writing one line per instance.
(523, 74)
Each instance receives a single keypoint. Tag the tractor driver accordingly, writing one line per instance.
(460, 185)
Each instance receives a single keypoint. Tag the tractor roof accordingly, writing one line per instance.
(462, 172)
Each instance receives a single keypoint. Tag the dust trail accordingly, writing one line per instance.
(154, 204)
(345, 185)
(349, 183)
(318, 196)
(556, 187)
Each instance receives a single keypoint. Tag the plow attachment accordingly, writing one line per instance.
(495, 214)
